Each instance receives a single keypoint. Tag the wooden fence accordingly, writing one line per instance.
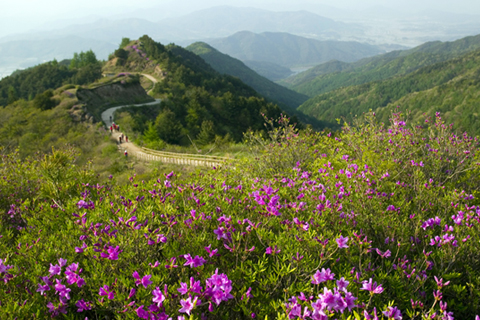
(179, 158)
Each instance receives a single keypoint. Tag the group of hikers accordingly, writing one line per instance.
(114, 127)
(121, 138)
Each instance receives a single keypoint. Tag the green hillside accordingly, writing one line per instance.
(198, 103)
(269, 70)
(451, 87)
(334, 75)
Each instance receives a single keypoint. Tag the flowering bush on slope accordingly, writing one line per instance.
(375, 222)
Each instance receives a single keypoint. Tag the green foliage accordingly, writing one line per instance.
(60, 176)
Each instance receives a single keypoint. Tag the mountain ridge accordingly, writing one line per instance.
(318, 80)
(289, 50)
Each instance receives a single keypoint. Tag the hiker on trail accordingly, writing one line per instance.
(120, 139)
(122, 136)
(111, 129)
(126, 154)
(126, 138)
(118, 128)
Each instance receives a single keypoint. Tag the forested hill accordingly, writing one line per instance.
(451, 87)
(334, 74)
(199, 103)
(26, 84)
(286, 99)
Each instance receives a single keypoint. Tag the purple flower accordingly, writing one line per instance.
(62, 262)
(55, 269)
(218, 287)
(141, 313)
(372, 287)
(105, 291)
(85, 204)
(188, 305)
(82, 305)
(393, 313)
(146, 280)
(42, 289)
(194, 262)
(322, 276)
(158, 296)
(3, 267)
(342, 242)
(385, 254)
(112, 253)
(211, 252)
(271, 250)
(132, 293)
(183, 288)
(222, 233)
(62, 290)
(342, 284)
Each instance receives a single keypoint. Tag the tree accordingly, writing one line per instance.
(121, 53)
(169, 129)
(83, 59)
(151, 134)
(124, 43)
(44, 101)
(207, 133)
(12, 95)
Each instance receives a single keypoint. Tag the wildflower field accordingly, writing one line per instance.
(373, 222)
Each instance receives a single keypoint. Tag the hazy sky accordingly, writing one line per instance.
(23, 15)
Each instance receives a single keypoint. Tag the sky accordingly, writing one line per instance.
(24, 15)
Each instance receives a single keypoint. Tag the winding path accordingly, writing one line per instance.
(154, 155)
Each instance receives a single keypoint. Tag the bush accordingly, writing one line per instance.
(374, 220)
(44, 100)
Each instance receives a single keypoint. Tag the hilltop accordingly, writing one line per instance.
(199, 103)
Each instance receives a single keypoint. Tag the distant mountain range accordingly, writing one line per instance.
(289, 50)
(223, 21)
(215, 22)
